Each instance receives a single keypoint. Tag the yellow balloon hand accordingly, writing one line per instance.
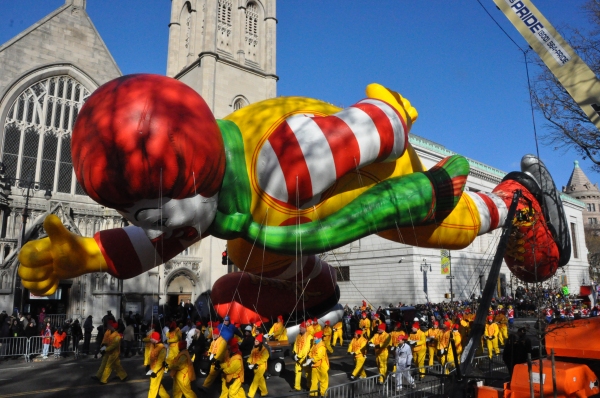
(62, 255)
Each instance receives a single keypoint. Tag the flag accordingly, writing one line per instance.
(445, 261)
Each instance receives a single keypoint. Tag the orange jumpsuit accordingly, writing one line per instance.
(320, 367)
(182, 372)
(158, 354)
(258, 357)
(233, 377)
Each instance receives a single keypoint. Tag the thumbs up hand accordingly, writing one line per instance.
(62, 255)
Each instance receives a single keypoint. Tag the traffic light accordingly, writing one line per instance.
(224, 259)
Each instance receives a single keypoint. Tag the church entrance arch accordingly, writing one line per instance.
(180, 287)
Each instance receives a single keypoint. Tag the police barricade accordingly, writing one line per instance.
(56, 320)
(413, 386)
(367, 387)
(494, 365)
(35, 347)
(13, 347)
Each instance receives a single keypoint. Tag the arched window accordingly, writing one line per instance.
(238, 104)
(251, 34)
(224, 26)
(37, 133)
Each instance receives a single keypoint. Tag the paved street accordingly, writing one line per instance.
(69, 377)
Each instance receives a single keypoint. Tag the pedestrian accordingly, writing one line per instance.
(15, 330)
(358, 349)
(42, 318)
(232, 372)
(300, 352)
(46, 340)
(57, 341)
(128, 338)
(247, 343)
(258, 362)
(403, 358)
(76, 335)
(111, 352)
(508, 354)
(158, 355)
(380, 343)
(319, 362)
(88, 327)
(182, 372)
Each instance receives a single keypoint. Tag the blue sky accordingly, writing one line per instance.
(449, 58)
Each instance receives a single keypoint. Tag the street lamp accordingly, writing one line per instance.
(29, 187)
(424, 267)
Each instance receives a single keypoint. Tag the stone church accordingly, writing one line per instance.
(226, 51)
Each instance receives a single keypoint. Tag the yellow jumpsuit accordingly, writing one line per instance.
(105, 340)
(433, 334)
(502, 322)
(182, 372)
(147, 348)
(173, 338)
(444, 344)
(382, 342)
(419, 350)
(233, 377)
(365, 325)
(491, 338)
(358, 347)
(457, 342)
(319, 377)
(338, 333)
(158, 354)
(375, 325)
(111, 360)
(316, 327)
(218, 348)
(258, 357)
(278, 331)
(327, 332)
(301, 349)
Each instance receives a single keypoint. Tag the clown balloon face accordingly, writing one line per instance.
(188, 217)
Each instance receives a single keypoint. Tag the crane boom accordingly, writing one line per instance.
(570, 70)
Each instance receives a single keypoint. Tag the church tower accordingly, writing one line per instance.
(225, 50)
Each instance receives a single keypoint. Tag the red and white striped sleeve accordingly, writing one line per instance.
(306, 154)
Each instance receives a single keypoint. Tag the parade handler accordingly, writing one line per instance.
(258, 362)
(233, 372)
(217, 354)
(181, 370)
(110, 357)
(319, 361)
(417, 342)
(358, 349)
(380, 343)
(301, 350)
(158, 356)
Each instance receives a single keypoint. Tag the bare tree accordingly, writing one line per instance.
(568, 125)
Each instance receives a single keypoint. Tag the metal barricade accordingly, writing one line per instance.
(56, 320)
(413, 387)
(13, 347)
(35, 347)
(367, 387)
(487, 365)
